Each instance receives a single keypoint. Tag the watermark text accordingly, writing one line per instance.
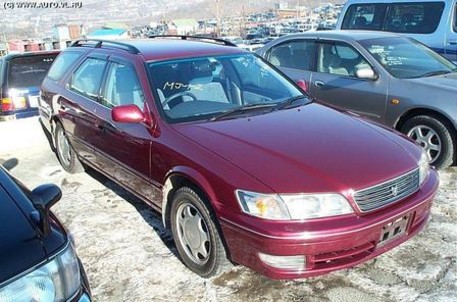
(10, 5)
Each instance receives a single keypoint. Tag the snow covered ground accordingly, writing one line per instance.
(129, 256)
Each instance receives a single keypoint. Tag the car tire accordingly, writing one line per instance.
(65, 153)
(196, 234)
(435, 136)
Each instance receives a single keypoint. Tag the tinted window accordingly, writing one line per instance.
(87, 78)
(406, 58)
(365, 16)
(122, 87)
(29, 71)
(420, 18)
(294, 54)
(405, 17)
(61, 64)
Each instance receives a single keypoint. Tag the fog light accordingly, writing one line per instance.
(290, 263)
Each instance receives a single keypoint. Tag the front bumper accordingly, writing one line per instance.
(327, 244)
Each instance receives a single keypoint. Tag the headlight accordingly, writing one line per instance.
(57, 280)
(424, 168)
(263, 205)
(287, 207)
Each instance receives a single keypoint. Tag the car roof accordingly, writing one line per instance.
(159, 49)
(344, 35)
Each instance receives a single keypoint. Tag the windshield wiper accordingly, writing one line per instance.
(434, 73)
(290, 102)
(242, 110)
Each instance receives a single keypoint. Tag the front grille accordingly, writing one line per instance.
(388, 192)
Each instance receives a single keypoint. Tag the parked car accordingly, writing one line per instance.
(21, 75)
(432, 22)
(39, 262)
(393, 80)
(239, 162)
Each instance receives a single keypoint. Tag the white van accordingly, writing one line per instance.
(432, 22)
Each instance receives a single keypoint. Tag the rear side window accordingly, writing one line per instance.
(405, 17)
(28, 71)
(61, 64)
(294, 54)
(87, 78)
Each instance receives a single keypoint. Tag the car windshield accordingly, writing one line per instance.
(29, 71)
(406, 58)
(216, 87)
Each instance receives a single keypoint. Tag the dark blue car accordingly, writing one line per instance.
(37, 259)
(21, 75)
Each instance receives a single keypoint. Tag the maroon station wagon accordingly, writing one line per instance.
(242, 165)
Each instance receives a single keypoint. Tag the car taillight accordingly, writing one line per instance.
(8, 104)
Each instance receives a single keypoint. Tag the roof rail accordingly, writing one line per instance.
(97, 43)
(198, 38)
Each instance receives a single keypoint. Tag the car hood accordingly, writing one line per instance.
(311, 148)
(446, 81)
(20, 246)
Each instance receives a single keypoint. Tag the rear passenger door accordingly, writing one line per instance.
(335, 81)
(77, 109)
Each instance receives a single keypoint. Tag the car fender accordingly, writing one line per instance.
(192, 176)
(418, 110)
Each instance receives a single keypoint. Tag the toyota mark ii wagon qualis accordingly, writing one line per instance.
(242, 165)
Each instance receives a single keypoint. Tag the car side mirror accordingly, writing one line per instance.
(366, 73)
(127, 114)
(43, 198)
(302, 85)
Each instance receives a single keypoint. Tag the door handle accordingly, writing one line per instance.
(319, 84)
(452, 42)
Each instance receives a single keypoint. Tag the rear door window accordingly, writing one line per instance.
(294, 54)
(87, 78)
(29, 71)
(402, 17)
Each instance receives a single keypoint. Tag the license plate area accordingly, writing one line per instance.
(33, 101)
(393, 230)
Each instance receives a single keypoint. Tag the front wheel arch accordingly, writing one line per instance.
(441, 121)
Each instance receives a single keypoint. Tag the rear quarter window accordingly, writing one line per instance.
(61, 65)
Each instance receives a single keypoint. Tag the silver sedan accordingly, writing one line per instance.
(390, 79)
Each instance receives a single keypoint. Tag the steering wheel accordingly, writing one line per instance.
(174, 96)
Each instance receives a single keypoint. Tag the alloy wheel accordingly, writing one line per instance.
(63, 147)
(428, 139)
